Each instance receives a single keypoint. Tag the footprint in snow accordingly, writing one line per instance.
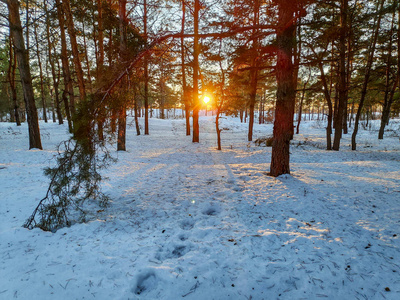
(183, 237)
(211, 210)
(176, 252)
(187, 224)
(145, 282)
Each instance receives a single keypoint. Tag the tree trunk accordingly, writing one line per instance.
(253, 72)
(25, 73)
(390, 98)
(74, 48)
(100, 61)
(146, 75)
(286, 91)
(136, 117)
(122, 51)
(342, 87)
(330, 108)
(121, 129)
(218, 129)
(196, 51)
(348, 78)
(68, 86)
(301, 104)
(368, 67)
(261, 109)
(89, 76)
(12, 66)
(50, 87)
(183, 70)
(40, 73)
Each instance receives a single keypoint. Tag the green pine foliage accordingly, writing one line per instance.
(76, 178)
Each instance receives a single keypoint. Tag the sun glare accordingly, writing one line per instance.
(206, 99)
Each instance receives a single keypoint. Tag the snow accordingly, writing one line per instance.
(188, 221)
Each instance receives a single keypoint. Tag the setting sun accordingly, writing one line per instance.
(206, 99)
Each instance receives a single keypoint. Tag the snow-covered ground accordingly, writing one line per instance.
(189, 222)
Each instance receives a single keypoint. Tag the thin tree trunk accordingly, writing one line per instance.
(342, 87)
(367, 75)
(40, 73)
(196, 51)
(253, 72)
(25, 73)
(348, 71)
(183, 70)
(89, 76)
(68, 86)
(330, 108)
(222, 99)
(12, 66)
(50, 87)
(64, 98)
(301, 104)
(146, 75)
(296, 58)
(53, 68)
(100, 61)
(260, 109)
(286, 91)
(136, 117)
(27, 40)
(389, 97)
(74, 47)
(121, 145)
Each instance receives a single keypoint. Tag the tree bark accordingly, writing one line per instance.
(146, 75)
(136, 117)
(301, 104)
(389, 97)
(183, 70)
(342, 87)
(330, 107)
(196, 104)
(89, 76)
(75, 51)
(121, 142)
(367, 74)
(12, 66)
(100, 62)
(253, 72)
(25, 73)
(68, 86)
(286, 91)
(40, 73)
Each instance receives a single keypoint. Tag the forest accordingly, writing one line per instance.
(209, 136)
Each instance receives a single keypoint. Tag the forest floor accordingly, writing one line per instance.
(189, 222)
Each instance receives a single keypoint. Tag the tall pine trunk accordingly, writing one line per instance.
(196, 104)
(68, 86)
(330, 107)
(183, 70)
(25, 73)
(100, 61)
(253, 72)
(12, 66)
(342, 85)
(121, 142)
(40, 73)
(368, 68)
(146, 75)
(389, 96)
(286, 91)
(74, 47)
